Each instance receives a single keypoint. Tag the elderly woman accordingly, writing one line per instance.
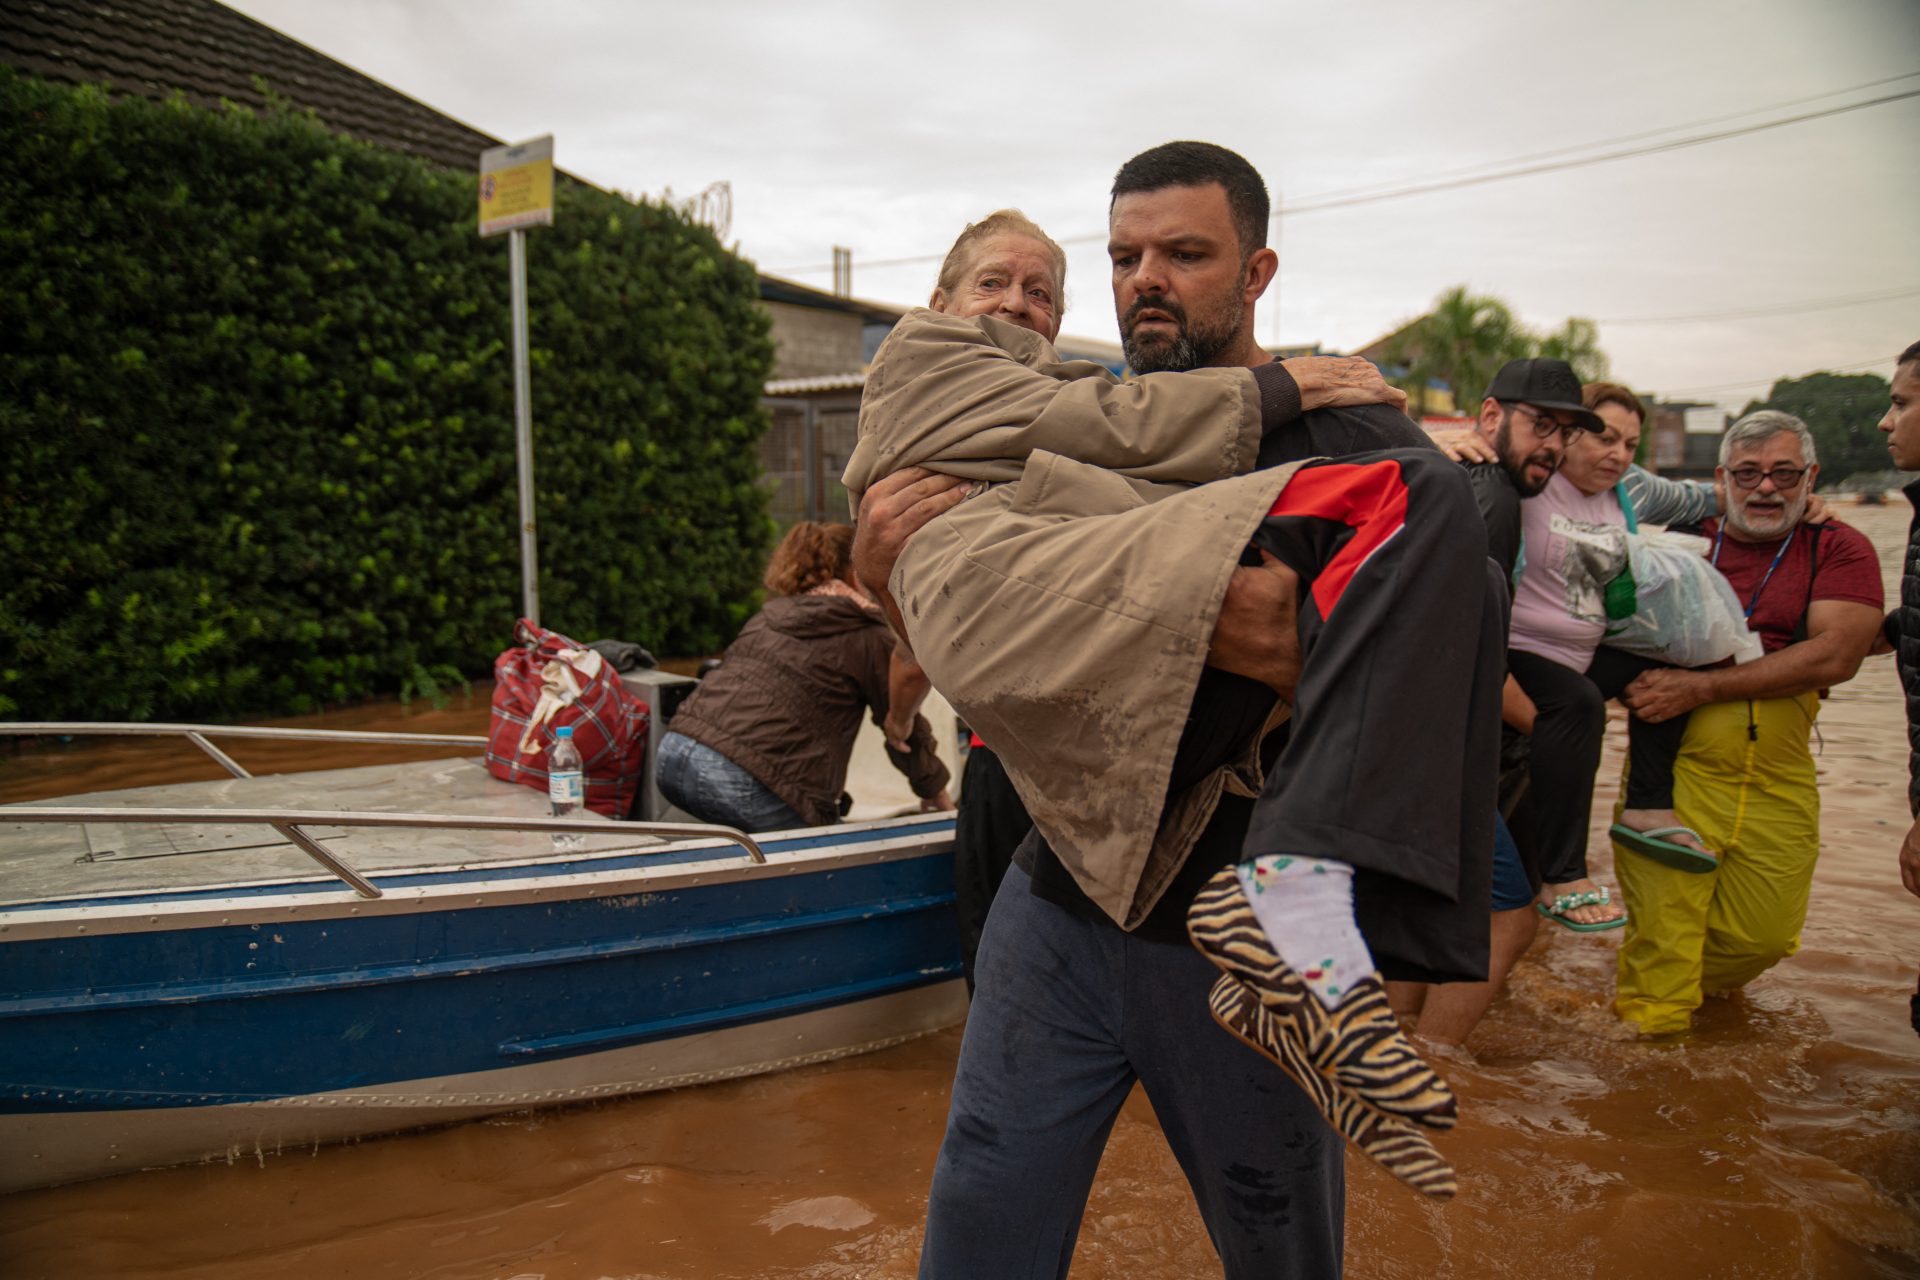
(763, 743)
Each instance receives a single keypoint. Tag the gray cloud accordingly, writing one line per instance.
(884, 126)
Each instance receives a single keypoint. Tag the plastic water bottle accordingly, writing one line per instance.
(566, 785)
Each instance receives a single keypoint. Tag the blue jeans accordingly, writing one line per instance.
(1511, 888)
(1067, 1014)
(712, 788)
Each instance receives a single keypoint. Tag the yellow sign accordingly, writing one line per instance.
(516, 186)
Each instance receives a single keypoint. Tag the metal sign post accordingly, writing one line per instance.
(516, 192)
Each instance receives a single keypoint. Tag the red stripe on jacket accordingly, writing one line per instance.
(1371, 499)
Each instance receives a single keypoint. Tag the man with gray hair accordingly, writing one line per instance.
(1745, 778)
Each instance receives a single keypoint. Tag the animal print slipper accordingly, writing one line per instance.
(1393, 1144)
(1357, 1045)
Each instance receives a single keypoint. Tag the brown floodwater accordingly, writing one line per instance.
(1781, 1138)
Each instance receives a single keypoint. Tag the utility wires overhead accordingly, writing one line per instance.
(1555, 160)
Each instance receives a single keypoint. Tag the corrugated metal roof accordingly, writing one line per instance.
(820, 382)
(208, 52)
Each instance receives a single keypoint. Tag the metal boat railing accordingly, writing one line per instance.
(288, 822)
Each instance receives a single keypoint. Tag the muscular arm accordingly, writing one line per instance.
(1839, 633)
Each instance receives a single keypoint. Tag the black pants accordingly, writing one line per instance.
(988, 828)
(1392, 754)
(1570, 720)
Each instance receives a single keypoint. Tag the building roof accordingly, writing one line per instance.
(208, 52)
(779, 289)
(817, 384)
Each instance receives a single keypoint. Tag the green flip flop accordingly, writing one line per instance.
(1557, 912)
(1680, 857)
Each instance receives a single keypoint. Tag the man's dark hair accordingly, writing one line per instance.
(1911, 353)
(1197, 164)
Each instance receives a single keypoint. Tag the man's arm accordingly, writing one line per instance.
(1499, 506)
(892, 511)
(1257, 632)
(907, 687)
(1839, 633)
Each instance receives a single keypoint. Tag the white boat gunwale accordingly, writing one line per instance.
(323, 897)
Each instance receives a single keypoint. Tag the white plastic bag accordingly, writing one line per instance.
(1685, 613)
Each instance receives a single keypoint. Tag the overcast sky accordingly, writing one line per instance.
(885, 127)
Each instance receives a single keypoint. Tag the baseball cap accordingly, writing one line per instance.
(1546, 384)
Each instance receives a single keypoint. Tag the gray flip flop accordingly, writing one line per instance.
(1680, 857)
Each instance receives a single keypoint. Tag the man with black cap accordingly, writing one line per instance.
(1532, 408)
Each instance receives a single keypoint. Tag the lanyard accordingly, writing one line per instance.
(1778, 556)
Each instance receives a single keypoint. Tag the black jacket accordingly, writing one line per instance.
(1499, 504)
(1903, 632)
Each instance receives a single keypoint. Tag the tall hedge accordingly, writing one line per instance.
(256, 402)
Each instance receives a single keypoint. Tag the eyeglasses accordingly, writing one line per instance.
(1783, 477)
(1546, 428)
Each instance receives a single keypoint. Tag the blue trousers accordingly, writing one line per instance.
(1068, 1013)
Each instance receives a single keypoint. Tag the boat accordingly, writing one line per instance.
(235, 968)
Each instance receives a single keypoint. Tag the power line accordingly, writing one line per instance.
(1768, 382)
(1524, 171)
(1557, 152)
(1518, 167)
(1781, 309)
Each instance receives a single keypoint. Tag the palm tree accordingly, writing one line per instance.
(1462, 342)
(1578, 343)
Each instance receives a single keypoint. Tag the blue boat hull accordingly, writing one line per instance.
(156, 1028)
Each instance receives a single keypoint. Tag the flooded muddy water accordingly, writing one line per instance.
(1780, 1139)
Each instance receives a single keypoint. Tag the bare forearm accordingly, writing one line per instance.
(907, 686)
(1819, 663)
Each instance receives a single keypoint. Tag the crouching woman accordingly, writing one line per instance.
(763, 743)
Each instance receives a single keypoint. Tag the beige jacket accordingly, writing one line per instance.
(1065, 608)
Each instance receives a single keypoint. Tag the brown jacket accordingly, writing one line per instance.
(1065, 608)
(785, 703)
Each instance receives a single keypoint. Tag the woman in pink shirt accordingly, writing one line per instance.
(1575, 544)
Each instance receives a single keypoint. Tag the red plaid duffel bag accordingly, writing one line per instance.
(545, 681)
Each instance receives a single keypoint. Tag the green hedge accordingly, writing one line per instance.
(256, 441)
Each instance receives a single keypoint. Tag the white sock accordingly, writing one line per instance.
(1305, 906)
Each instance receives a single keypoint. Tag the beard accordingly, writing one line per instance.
(1195, 343)
(1764, 525)
(1517, 471)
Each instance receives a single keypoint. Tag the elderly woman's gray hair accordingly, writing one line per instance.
(998, 223)
(1762, 425)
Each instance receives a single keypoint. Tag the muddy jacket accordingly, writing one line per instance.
(1065, 608)
(1903, 632)
(785, 703)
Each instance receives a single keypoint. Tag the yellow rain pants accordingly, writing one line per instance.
(1745, 782)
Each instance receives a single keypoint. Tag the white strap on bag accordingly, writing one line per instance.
(561, 680)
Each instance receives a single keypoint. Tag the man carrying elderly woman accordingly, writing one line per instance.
(1070, 607)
